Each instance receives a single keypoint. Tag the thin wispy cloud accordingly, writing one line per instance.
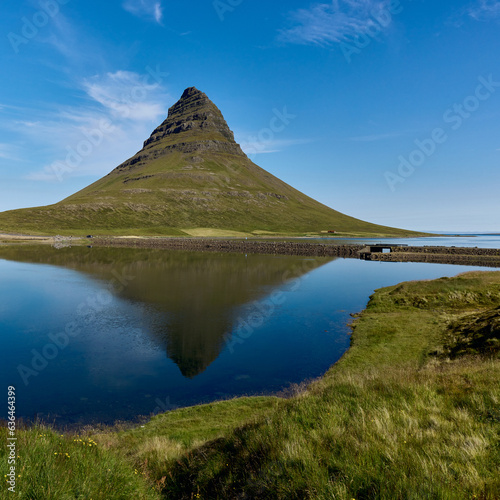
(334, 22)
(484, 10)
(8, 152)
(479, 10)
(64, 37)
(148, 9)
(252, 146)
(125, 93)
(80, 50)
(158, 13)
(120, 110)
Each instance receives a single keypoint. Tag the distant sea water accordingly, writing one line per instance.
(465, 240)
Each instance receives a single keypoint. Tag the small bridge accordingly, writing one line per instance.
(366, 253)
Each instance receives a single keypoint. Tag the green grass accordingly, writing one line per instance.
(118, 464)
(51, 466)
(214, 233)
(474, 334)
(395, 418)
(168, 437)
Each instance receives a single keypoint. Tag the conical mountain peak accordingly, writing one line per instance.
(190, 178)
(194, 118)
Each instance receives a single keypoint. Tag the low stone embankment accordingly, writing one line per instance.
(236, 246)
(488, 257)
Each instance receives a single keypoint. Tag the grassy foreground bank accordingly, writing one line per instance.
(412, 411)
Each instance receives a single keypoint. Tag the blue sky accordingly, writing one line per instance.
(390, 110)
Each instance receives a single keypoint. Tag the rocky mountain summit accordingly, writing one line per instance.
(194, 125)
(195, 113)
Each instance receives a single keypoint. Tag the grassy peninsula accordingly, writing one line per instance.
(411, 411)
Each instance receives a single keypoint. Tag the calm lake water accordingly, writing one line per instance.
(96, 334)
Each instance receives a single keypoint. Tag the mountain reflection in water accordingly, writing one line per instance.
(193, 300)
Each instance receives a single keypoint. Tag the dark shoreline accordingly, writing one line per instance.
(487, 257)
(235, 246)
(484, 257)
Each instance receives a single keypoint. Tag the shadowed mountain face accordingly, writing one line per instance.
(193, 302)
(190, 175)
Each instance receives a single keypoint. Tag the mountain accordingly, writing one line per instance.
(190, 178)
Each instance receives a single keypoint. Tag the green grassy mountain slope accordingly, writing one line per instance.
(190, 174)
